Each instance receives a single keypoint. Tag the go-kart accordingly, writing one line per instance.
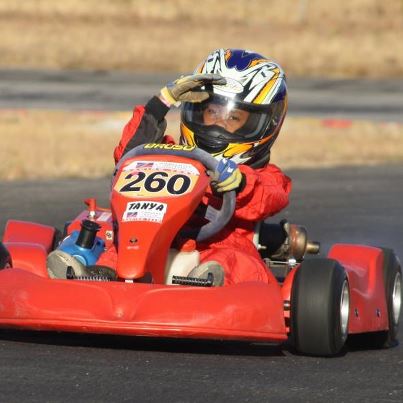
(316, 303)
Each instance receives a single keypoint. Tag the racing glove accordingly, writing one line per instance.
(188, 88)
(227, 176)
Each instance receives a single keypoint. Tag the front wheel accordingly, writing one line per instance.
(320, 304)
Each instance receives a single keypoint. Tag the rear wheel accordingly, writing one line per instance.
(320, 304)
(392, 279)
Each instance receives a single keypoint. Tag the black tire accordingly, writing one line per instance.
(319, 307)
(57, 238)
(392, 279)
(5, 258)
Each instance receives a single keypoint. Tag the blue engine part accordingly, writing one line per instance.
(84, 245)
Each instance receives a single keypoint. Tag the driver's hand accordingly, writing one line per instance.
(188, 88)
(227, 176)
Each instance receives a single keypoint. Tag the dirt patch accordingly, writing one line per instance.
(52, 144)
(360, 38)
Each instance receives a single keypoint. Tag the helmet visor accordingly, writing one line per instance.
(238, 121)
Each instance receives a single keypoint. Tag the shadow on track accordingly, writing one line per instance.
(193, 346)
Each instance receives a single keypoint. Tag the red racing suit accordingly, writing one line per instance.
(265, 193)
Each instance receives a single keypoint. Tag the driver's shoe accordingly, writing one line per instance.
(211, 266)
(58, 263)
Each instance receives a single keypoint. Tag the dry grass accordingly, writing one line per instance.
(313, 143)
(335, 38)
(338, 38)
(54, 144)
(51, 144)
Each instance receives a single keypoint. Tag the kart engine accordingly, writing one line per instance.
(285, 241)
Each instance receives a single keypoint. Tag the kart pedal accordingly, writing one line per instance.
(194, 281)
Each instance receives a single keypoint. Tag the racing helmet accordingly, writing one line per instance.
(242, 118)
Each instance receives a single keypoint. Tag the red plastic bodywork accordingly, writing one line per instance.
(252, 311)
(30, 233)
(364, 268)
(286, 290)
(143, 247)
(244, 311)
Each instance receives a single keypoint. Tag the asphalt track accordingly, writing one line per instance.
(103, 90)
(359, 205)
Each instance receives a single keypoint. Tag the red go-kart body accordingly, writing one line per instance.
(152, 198)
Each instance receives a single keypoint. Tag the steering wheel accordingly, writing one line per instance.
(228, 206)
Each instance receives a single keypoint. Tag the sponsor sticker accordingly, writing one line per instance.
(145, 211)
(170, 146)
(104, 216)
(136, 165)
(176, 167)
(232, 86)
(162, 166)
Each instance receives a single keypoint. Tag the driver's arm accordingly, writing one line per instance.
(265, 193)
(147, 125)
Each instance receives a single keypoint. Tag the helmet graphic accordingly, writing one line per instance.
(241, 119)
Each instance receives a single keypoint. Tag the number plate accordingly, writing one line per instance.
(156, 179)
